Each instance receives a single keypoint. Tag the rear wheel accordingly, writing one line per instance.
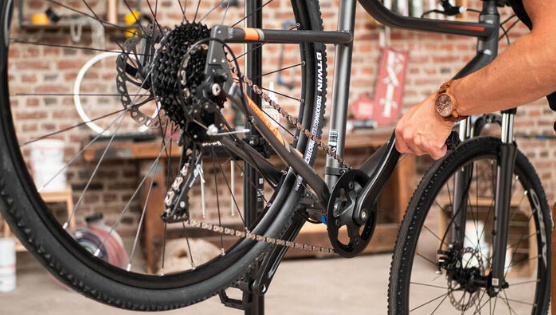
(39, 66)
(432, 275)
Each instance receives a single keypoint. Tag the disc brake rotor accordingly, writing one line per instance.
(134, 66)
(461, 297)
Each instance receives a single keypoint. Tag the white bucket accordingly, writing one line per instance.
(47, 160)
(7, 264)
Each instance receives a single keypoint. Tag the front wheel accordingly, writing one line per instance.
(429, 275)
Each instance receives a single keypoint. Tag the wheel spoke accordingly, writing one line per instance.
(210, 11)
(430, 285)
(26, 42)
(121, 112)
(135, 193)
(94, 171)
(140, 225)
(193, 266)
(443, 296)
(214, 171)
(425, 258)
(301, 64)
(154, 13)
(252, 13)
(96, 18)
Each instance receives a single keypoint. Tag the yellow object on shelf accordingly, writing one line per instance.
(40, 19)
(130, 19)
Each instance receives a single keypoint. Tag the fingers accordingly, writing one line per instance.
(438, 154)
(406, 142)
(409, 142)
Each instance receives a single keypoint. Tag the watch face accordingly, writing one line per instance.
(444, 105)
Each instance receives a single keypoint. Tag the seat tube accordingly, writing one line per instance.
(503, 196)
(340, 94)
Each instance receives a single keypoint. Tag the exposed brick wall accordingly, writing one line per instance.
(433, 60)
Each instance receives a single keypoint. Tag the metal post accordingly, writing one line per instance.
(253, 181)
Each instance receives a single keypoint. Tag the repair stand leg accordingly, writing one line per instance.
(254, 202)
(553, 267)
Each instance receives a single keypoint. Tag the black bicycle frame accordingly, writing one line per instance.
(487, 33)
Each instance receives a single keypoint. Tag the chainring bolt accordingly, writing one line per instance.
(363, 216)
(216, 90)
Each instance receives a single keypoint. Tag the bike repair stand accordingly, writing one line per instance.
(252, 304)
(255, 205)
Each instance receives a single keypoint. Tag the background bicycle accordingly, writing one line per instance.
(107, 196)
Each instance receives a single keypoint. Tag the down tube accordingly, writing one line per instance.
(342, 78)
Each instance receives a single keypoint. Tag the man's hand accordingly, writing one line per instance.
(423, 131)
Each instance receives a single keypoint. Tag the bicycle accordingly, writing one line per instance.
(192, 74)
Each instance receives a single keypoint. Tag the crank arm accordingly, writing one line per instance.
(379, 168)
(381, 164)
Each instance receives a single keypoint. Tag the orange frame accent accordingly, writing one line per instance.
(251, 34)
(275, 130)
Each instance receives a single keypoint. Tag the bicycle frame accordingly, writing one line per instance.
(487, 34)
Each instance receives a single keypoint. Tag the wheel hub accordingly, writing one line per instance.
(465, 271)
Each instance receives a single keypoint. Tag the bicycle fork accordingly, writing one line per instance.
(503, 194)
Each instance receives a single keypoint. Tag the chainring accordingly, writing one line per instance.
(341, 207)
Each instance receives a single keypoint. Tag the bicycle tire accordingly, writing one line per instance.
(42, 235)
(413, 284)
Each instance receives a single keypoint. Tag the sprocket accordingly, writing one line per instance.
(167, 65)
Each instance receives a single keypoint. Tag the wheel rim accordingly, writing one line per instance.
(29, 95)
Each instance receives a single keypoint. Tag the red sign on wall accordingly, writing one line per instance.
(389, 87)
(386, 106)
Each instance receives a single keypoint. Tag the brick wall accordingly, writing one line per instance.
(433, 60)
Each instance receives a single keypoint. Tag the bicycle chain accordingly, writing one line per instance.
(260, 238)
(293, 120)
(180, 180)
(181, 216)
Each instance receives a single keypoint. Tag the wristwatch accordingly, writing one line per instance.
(446, 104)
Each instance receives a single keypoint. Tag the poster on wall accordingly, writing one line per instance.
(389, 86)
(385, 108)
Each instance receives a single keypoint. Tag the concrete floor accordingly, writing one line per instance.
(323, 286)
(309, 286)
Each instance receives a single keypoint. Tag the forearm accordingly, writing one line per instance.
(526, 71)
